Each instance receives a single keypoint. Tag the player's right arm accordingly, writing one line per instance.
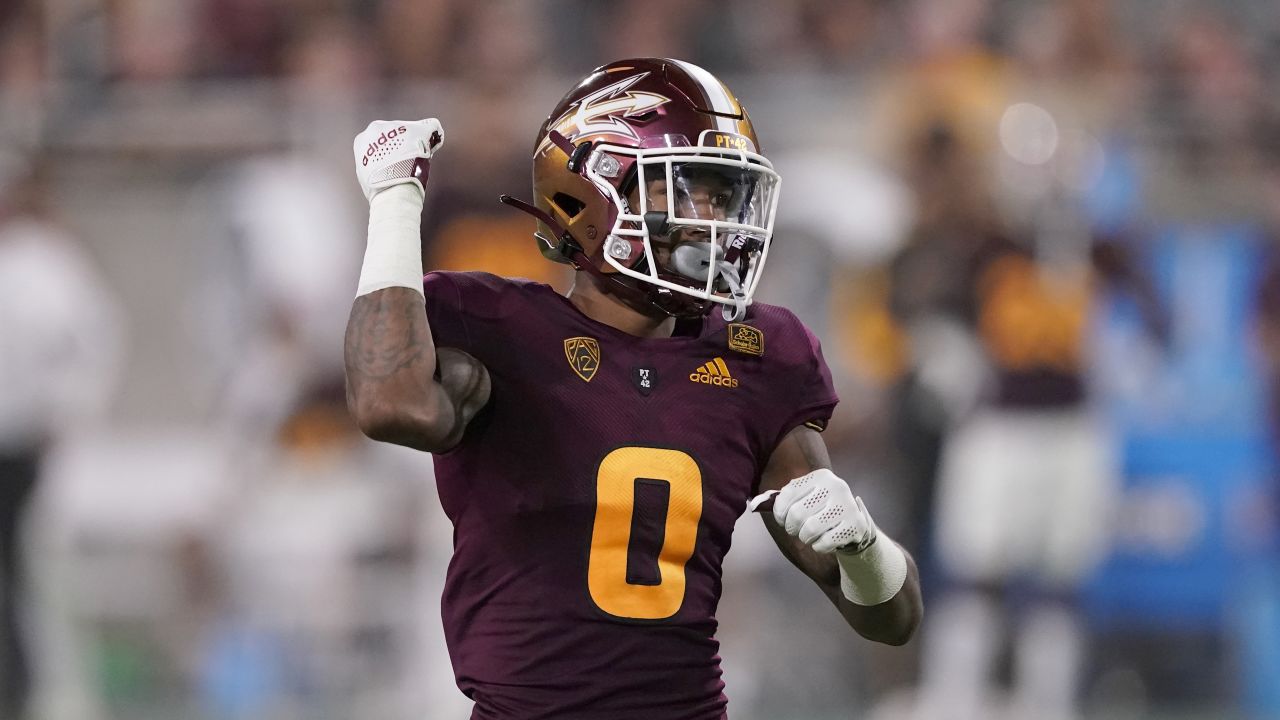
(400, 388)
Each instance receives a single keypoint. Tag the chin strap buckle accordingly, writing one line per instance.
(570, 249)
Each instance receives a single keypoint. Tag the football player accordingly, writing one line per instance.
(594, 451)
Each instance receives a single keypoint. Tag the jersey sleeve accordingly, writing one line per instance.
(806, 394)
(815, 392)
(445, 311)
(473, 312)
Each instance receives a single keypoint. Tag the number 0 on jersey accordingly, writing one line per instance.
(621, 473)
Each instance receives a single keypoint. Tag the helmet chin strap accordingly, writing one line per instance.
(573, 252)
(567, 246)
(692, 260)
(689, 259)
(738, 308)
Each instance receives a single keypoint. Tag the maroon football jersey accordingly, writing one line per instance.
(593, 499)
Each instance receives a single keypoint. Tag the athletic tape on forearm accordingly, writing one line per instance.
(874, 575)
(393, 257)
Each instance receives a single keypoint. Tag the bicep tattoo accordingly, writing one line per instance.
(388, 333)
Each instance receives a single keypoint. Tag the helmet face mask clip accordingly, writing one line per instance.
(578, 155)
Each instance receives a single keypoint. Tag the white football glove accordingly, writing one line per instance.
(821, 510)
(392, 152)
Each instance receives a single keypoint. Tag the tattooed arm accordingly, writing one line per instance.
(392, 385)
(400, 389)
(892, 622)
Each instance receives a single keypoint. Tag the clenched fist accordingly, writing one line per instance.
(821, 510)
(391, 152)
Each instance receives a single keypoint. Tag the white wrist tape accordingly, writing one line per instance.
(393, 257)
(874, 575)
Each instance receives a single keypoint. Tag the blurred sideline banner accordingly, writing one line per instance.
(1195, 549)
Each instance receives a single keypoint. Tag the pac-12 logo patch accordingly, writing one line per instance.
(746, 339)
(583, 354)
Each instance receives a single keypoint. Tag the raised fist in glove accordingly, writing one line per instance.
(392, 152)
(821, 510)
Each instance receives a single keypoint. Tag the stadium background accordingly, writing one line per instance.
(209, 539)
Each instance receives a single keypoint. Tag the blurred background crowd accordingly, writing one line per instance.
(1040, 240)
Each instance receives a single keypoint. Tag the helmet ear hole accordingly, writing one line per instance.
(567, 204)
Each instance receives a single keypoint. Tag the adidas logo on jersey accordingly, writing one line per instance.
(714, 372)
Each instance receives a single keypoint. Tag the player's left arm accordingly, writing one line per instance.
(824, 530)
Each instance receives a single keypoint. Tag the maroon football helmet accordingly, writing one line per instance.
(648, 175)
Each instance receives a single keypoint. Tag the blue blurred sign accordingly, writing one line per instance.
(1197, 510)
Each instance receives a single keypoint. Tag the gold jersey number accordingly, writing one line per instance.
(611, 534)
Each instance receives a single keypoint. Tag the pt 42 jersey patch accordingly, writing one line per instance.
(644, 378)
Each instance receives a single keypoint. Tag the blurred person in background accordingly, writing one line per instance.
(316, 557)
(946, 88)
(61, 340)
(1027, 482)
(496, 377)
(981, 324)
(280, 254)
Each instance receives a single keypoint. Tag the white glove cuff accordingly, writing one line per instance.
(393, 257)
(874, 575)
